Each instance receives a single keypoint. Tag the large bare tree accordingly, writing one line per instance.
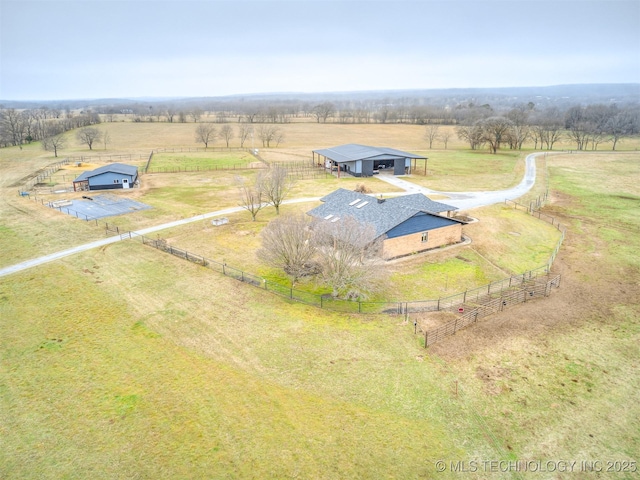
(323, 111)
(244, 132)
(12, 126)
(349, 257)
(89, 135)
(54, 139)
(431, 133)
(251, 196)
(472, 134)
(494, 131)
(287, 244)
(226, 134)
(205, 133)
(270, 134)
(275, 183)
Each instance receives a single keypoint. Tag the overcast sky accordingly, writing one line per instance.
(53, 49)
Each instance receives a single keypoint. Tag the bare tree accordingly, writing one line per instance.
(251, 197)
(287, 244)
(195, 114)
(275, 183)
(54, 139)
(472, 134)
(323, 111)
(494, 131)
(244, 131)
(349, 257)
(106, 138)
(226, 133)
(89, 135)
(431, 133)
(517, 135)
(620, 125)
(547, 128)
(12, 126)
(170, 113)
(445, 136)
(269, 134)
(205, 133)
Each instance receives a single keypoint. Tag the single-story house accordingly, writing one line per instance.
(364, 161)
(114, 175)
(408, 224)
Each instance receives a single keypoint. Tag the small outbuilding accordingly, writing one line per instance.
(408, 224)
(364, 161)
(108, 177)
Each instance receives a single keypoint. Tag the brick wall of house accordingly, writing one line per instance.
(396, 247)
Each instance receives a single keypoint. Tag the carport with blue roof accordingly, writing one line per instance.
(363, 161)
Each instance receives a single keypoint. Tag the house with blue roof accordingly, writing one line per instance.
(107, 177)
(408, 224)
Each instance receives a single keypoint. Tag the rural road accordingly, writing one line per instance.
(461, 200)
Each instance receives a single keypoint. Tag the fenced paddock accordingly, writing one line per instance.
(45, 174)
(489, 304)
(187, 160)
(480, 302)
(451, 303)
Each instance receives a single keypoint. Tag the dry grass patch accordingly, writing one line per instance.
(558, 378)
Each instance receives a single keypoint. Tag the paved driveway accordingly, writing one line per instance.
(461, 200)
(468, 200)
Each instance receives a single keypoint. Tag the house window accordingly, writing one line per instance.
(116, 181)
(425, 237)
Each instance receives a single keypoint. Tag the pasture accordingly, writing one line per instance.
(126, 362)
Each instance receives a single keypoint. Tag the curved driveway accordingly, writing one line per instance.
(461, 200)
(467, 200)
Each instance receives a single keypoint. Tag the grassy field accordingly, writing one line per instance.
(196, 161)
(126, 362)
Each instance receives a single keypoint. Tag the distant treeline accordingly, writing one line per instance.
(511, 116)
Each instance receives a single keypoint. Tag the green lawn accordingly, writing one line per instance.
(127, 362)
(200, 161)
(206, 378)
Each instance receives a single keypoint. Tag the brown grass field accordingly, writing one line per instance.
(126, 362)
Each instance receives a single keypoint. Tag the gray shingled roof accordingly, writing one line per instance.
(366, 209)
(353, 151)
(112, 167)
